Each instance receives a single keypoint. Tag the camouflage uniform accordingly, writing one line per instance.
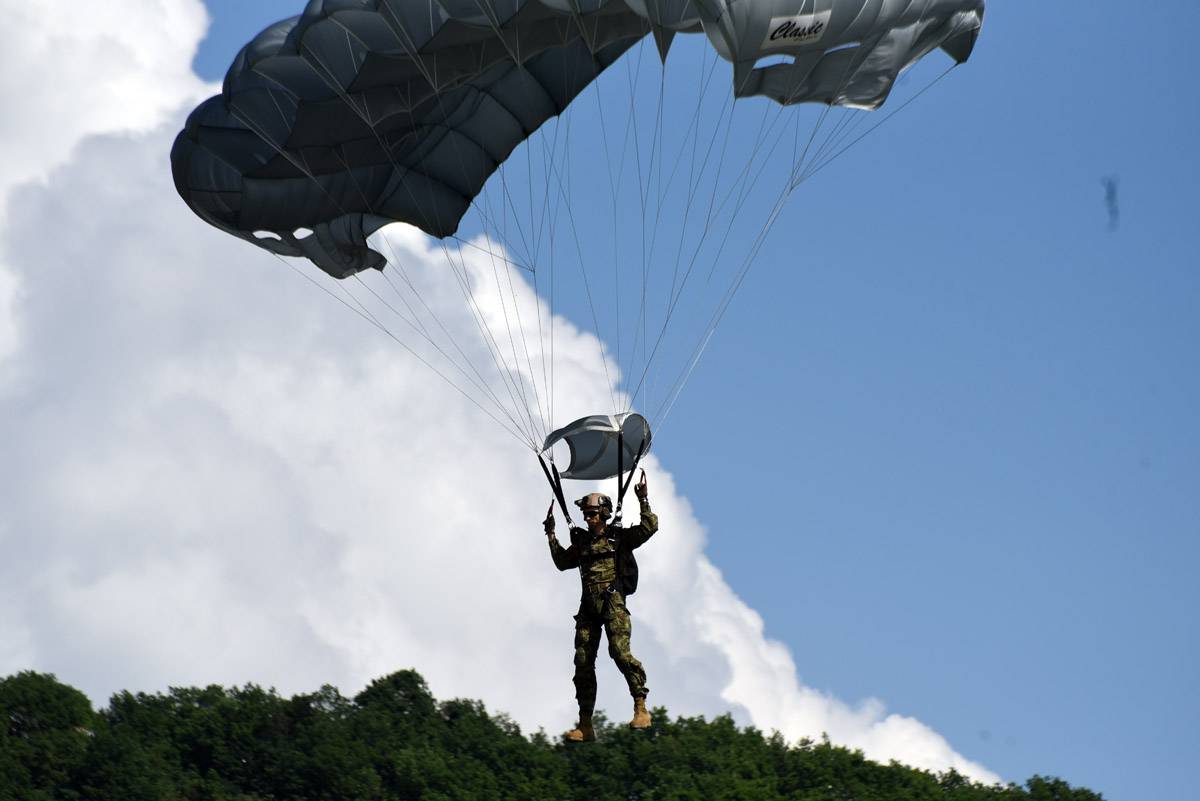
(602, 604)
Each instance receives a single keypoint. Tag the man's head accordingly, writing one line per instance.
(596, 507)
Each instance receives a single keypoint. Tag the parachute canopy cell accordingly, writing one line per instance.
(593, 443)
(358, 113)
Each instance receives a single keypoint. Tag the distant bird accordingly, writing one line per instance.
(1110, 199)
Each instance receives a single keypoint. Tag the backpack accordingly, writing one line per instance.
(627, 572)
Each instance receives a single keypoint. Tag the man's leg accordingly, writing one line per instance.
(587, 643)
(618, 625)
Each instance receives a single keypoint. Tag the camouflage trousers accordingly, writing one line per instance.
(601, 609)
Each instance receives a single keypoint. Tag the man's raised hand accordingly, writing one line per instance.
(642, 488)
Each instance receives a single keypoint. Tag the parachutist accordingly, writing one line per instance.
(603, 552)
(1110, 200)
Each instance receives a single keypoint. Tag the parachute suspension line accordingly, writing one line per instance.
(612, 189)
(819, 161)
(459, 271)
(693, 188)
(644, 181)
(565, 197)
(400, 296)
(562, 177)
(810, 173)
(851, 120)
(411, 322)
(549, 214)
(543, 411)
(544, 431)
(308, 172)
(714, 209)
(746, 185)
(546, 331)
(662, 413)
(579, 251)
(629, 134)
(374, 322)
(547, 224)
(547, 418)
(743, 176)
(660, 136)
(331, 81)
(677, 291)
(800, 173)
(675, 294)
(541, 332)
(512, 343)
(489, 224)
(468, 244)
(693, 133)
(543, 221)
(656, 144)
(394, 260)
(508, 204)
(481, 385)
(482, 382)
(707, 336)
(796, 165)
(548, 220)
(597, 87)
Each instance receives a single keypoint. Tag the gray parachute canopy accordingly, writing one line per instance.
(358, 113)
(593, 443)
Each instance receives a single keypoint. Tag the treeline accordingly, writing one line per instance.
(394, 740)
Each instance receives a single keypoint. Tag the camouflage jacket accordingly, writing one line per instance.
(594, 556)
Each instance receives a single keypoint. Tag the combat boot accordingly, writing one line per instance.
(641, 718)
(582, 733)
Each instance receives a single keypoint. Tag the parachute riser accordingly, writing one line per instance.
(622, 482)
(556, 485)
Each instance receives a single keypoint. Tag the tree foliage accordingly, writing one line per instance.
(395, 741)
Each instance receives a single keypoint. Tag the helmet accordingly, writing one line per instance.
(596, 500)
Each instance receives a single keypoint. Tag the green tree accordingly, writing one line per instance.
(48, 729)
(395, 742)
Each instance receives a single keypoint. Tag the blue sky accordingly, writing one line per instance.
(964, 398)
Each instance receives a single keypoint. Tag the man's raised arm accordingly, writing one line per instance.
(637, 535)
(564, 558)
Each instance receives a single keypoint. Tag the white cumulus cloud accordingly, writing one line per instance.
(74, 69)
(214, 472)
